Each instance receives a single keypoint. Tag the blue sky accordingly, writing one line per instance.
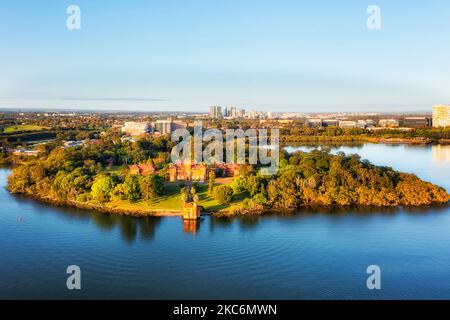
(272, 55)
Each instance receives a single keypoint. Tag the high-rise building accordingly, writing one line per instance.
(215, 112)
(252, 114)
(441, 116)
(233, 112)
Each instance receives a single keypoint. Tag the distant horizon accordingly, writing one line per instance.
(204, 111)
(205, 108)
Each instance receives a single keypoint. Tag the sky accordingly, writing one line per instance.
(269, 55)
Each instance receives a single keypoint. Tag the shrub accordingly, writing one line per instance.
(223, 194)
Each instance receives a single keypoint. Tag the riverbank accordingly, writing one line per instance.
(139, 210)
(406, 141)
(167, 206)
(361, 139)
(133, 210)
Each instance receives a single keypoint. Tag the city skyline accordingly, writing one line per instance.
(173, 56)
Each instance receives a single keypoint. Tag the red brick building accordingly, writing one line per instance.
(227, 169)
(187, 172)
(200, 172)
(143, 169)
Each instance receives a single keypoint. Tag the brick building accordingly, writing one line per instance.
(143, 169)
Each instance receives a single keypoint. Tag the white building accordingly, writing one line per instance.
(389, 123)
(136, 128)
(347, 124)
(163, 126)
(330, 123)
(233, 112)
(72, 144)
(441, 116)
(169, 125)
(365, 123)
(314, 123)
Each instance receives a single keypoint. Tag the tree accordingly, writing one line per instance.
(151, 186)
(283, 163)
(252, 184)
(238, 184)
(223, 194)
(259, 200)
(118, 192)
(146, 187)
(102, 187)
(184, 195)
(20, 179)
(288, 190)
(272, 191)
(158, 185)
(60, 186)
(245, 169)
(131, 188)
(211, 182)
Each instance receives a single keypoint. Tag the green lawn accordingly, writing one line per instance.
(20, 128)
(171, 201)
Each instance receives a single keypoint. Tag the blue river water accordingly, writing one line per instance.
(307, 255)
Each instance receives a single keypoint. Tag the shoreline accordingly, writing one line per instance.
(105, 208)
(224, 213)
(359, 139)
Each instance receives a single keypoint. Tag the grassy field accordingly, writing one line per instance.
(21, 128)
(171, 201)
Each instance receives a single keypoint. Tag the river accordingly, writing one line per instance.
(309, 255)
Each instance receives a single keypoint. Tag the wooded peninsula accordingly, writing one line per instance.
(111, 174)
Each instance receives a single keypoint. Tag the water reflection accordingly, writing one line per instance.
(191, 226)
(326, 144)
(131, 228)
(144, 228)
(249, 223)
(441, 153)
